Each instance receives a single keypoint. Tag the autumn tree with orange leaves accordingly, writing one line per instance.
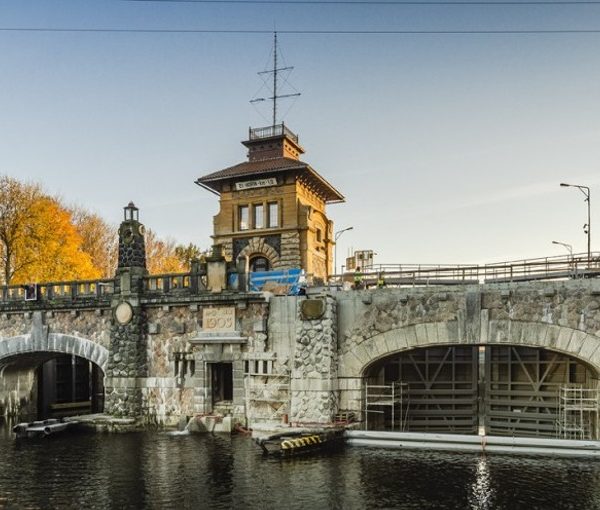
(38, 239)
(42, 240)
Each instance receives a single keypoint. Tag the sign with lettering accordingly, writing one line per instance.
(218, 319)
(257, 183)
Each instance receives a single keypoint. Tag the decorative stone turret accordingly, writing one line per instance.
(132, 249)
(128, 354)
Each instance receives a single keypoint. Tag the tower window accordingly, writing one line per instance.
(273, 215)
(243, 217)
(259, 263)
(319, 235)
(259, 216)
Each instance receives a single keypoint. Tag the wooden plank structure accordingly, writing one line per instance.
(498, 390)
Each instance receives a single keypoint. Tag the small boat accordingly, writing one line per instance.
(42, 428)
(299, 442)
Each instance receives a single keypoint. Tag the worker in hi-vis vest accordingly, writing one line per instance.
(358, 279)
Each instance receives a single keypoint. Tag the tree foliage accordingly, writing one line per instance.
(188, 253)
(16, 211)
(42, 240)
(38, 238)
(99, 239)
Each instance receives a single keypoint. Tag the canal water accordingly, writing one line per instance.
(157, 470)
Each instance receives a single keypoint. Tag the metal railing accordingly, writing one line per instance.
(546, 268)
(270, 131)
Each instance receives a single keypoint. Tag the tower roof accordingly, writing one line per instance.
(272, 150)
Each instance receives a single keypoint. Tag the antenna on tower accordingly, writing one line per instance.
(275, 72)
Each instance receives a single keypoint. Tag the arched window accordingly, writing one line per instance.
(259, 263)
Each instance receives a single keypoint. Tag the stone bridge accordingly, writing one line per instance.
(539, 330)
(161, 348)
(185, 345)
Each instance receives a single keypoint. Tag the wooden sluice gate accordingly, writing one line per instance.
(473, 443)
(511, 391)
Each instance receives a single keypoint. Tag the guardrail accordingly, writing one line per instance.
(270, 131)
(547, 268)
(58, 290)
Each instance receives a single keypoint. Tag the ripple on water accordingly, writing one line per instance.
(152, 470)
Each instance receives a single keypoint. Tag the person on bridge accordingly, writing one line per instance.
(380, 280)
(358, 279)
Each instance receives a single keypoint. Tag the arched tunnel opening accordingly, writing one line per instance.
(507, 390)
(49, 385)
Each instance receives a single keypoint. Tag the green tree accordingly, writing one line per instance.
(188, 253)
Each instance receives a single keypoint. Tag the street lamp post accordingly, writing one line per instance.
(566, 245)
(587, 228)
(335, 238)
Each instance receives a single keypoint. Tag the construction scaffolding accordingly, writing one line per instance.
(387, 399)
(578, 413)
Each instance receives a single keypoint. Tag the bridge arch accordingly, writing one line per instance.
(51, 375)
(507, 383)
(54, 343)
(355, 360)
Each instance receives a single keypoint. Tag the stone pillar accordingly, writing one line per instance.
(127, 362)
(313, 385)
(216, 270)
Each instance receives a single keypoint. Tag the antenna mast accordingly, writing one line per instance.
(274, 78)
(275, 71)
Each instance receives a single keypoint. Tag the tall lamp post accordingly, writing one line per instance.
(335, 238)
(566, 245)
(587, 228)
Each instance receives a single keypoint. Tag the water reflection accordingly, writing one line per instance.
(481, 491)
(159, 471)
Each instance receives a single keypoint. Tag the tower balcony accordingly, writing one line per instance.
(272, 131)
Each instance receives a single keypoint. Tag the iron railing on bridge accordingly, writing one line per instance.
(546, 268)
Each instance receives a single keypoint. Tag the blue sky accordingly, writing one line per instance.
(448, 148)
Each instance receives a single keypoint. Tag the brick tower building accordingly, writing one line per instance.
(272, 206)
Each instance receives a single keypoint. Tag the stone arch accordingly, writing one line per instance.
(258, 246)
(354, 361)
(54, 343)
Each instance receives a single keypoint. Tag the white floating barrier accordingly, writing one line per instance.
(472, 443)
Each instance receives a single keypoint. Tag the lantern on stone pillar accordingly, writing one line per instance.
(131, 212)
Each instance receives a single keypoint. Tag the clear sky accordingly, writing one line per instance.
(449, 148)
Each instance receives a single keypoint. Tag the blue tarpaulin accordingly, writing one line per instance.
(258, 280)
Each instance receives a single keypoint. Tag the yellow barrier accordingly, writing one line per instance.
(301, 442)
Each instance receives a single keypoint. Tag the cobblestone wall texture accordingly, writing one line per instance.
(314, 371)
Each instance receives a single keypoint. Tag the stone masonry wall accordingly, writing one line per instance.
(177, 384)
(563, 316)
(290, 251)
(314, 395)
